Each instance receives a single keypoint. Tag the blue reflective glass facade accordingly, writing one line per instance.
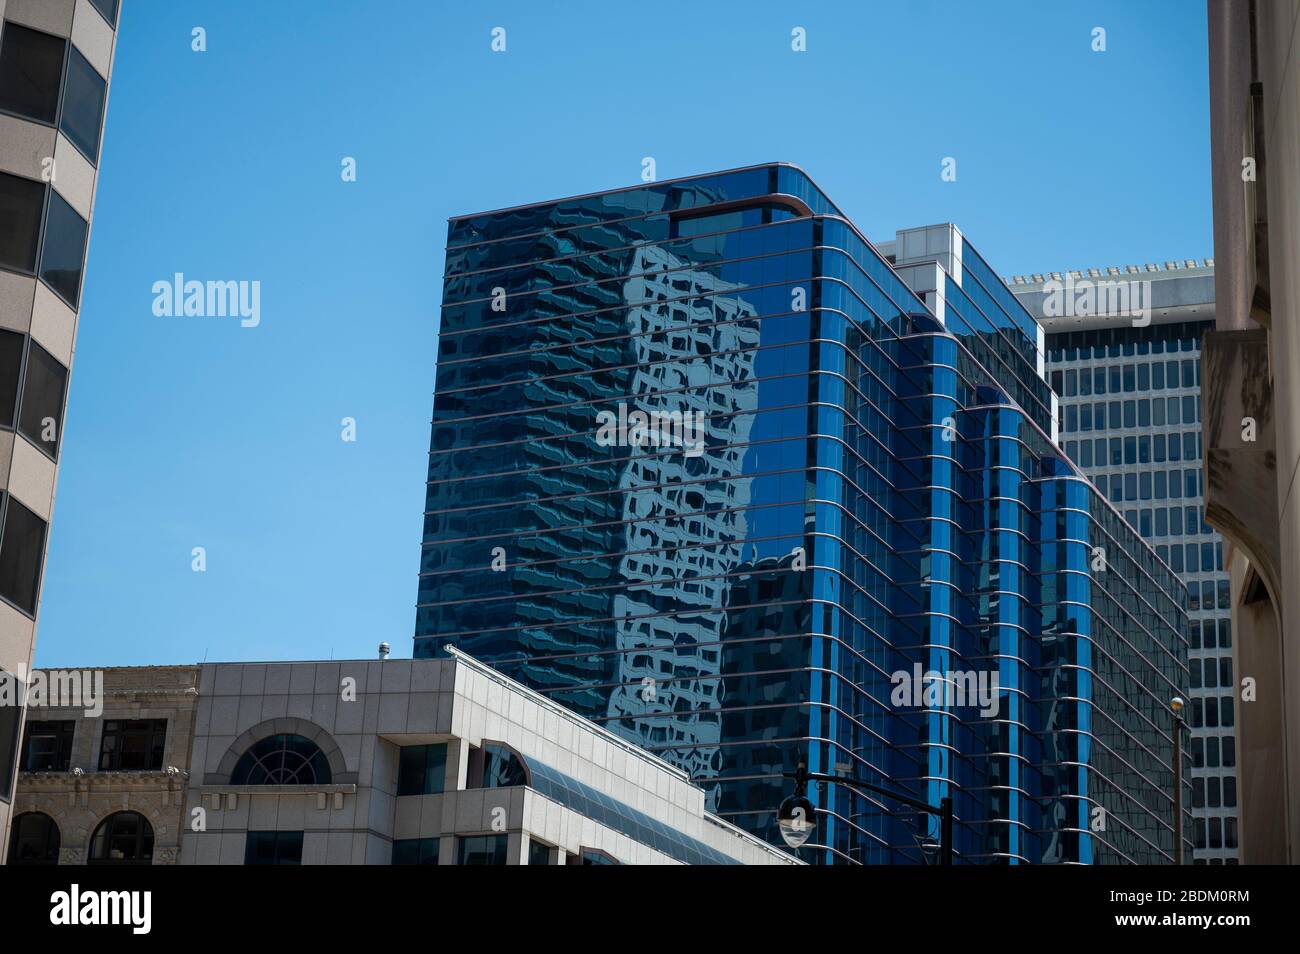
(866, 489)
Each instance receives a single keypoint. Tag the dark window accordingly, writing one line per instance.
(421, 769)
(125, 838)
(482, 850)
(416, 851)
(31, 65)
(44, 385)
(34, 840)
(539, 853)
(590, 856)
(83, 106)
(282, 760)
(20, 211)
(47, 746)
(22, 541)
(11, 369)
(501, 768)
(11, 687)
(132, 745)
(273, 848)
(107, 9)
(63, 249)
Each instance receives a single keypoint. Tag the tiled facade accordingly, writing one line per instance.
(586, 793)
(56, 59)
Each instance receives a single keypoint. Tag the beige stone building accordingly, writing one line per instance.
(107, 787)
(1251, 399)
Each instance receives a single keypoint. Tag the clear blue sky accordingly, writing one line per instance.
(185, 432)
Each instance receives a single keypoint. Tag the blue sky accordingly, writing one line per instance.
(185, 432)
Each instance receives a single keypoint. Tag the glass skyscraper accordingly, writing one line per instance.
(1131, 418)
(717, 472)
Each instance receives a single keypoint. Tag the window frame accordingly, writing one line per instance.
(465, 844)
(50, 192)
(430, 783)
(42, 233)
(5, 24)
(65, 737)
(157, 726)
(43, 204)
(6, 498)
(117, 12)
(144, 833)
(254, 759)
(9, 760)
(24, 364)
(53, 841)
(57, 124)
(63, 96)
(278, 839)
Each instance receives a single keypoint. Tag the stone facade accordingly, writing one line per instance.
(1251, 398)
(81, 797)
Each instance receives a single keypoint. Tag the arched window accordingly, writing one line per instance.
(282, 760)
(502, 768)
(125, 838)
(34, 840)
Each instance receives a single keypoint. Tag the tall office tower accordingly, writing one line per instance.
(56, 57)
(708, 468)
(1129, 392)
(1251, 405)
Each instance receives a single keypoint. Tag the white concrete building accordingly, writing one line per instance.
(428, 761)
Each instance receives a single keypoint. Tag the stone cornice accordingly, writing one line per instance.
(91, 781)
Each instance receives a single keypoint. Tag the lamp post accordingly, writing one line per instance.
(797, 816)
(1176, 730)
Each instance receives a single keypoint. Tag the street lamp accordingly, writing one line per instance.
(1176, 730)
(797, 817)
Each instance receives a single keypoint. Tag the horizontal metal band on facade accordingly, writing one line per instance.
(795, 204)
(1108, 538)
(866, 371)
(884, 610)
(822, 278)
(641, 186)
